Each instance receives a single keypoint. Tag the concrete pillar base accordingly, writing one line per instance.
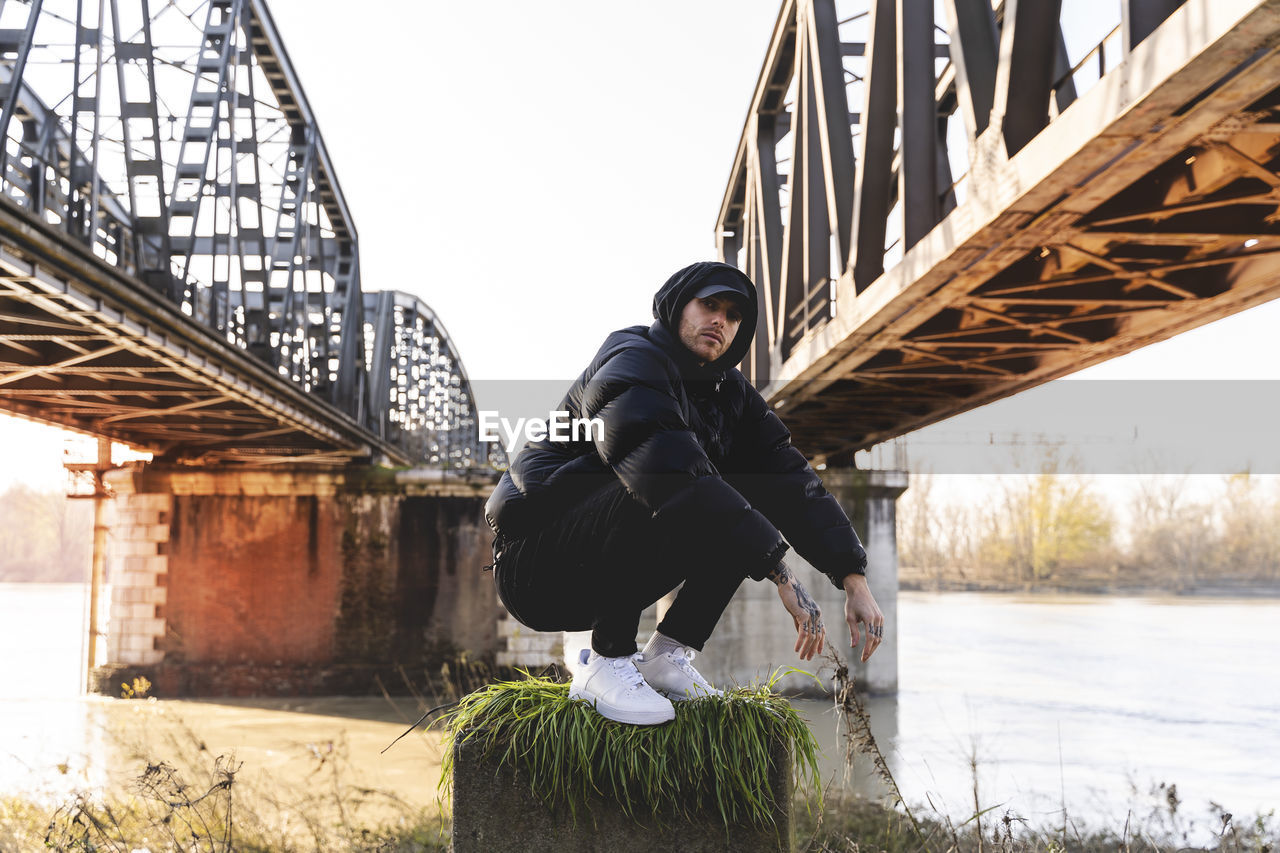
(870, 500)
(494, 809)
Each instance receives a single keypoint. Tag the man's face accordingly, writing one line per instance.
(708, 325)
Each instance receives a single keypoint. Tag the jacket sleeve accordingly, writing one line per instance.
(657, 457)
(777, 479)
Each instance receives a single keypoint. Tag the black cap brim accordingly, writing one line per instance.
(719, 289)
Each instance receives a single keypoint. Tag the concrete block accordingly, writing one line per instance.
(147, 532)
(127, 580)
(156, 502)
(129, 532)
(531, 660)
(545, 644)
(140, 657)
(157, 564)
(120, 517)
(150, 625)
(494, 809)
(133, 563)
(134, 642)
(133, 548)
(147, 594)
(144, 610)
(146, 657)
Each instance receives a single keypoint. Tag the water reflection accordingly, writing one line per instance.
(47, 732)
(857, 776)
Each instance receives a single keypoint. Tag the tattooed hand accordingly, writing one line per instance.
(860, 609)
(811, 635)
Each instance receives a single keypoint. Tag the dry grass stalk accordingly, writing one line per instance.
(859, 739)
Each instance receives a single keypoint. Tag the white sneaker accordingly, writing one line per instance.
(617, 690)
(672, 674)
(574, 643)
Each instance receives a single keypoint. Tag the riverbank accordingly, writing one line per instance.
(281, 775)
(911, 580)
(311, 775)
(284, 775)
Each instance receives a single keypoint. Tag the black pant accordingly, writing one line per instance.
(602, 562)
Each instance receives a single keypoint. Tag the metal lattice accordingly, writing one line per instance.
(173, 141)
(944, 203)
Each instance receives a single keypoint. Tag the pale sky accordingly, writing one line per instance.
(534, 171)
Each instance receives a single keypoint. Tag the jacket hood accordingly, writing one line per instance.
(669, 302)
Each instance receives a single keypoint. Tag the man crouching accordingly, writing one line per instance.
(694, 481)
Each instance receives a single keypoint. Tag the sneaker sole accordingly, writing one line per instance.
(684, 697)
(625, 715)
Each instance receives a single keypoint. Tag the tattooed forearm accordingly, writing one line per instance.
(804, 598)
(813, 620)
(781, 575)
(804, 609)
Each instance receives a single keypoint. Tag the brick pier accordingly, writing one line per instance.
(294, 581)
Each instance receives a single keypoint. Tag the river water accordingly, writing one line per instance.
(1087, 702)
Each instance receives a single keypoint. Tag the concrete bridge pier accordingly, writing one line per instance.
(294, 581)
(755, 635)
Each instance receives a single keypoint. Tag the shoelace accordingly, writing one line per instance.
(684, 660)
(626, 670)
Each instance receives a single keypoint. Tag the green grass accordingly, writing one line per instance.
(714, 758)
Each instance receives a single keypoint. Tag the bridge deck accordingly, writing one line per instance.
(198, 293)
(93, 350)
(1146, 208)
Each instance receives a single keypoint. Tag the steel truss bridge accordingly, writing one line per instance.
(179, 269)
(946, 203)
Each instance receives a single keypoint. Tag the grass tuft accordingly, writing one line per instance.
(714, 758)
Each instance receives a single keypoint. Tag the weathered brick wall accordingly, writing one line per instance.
(253, 579)
(288, 582)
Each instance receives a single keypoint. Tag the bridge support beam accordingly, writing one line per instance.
(755, 635)
(294, 582)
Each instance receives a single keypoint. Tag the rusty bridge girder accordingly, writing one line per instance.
(179, 268)
(940, 213)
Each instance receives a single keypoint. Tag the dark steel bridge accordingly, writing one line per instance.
(179, 269)
(940, 210)
(943, 210)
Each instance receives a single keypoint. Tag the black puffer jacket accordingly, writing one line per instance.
(695, 444)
